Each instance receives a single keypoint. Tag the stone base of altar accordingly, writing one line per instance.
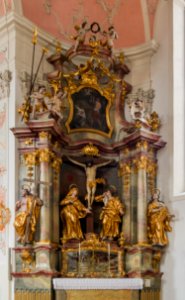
(97, 294)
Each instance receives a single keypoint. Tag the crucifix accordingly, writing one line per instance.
(91, 180)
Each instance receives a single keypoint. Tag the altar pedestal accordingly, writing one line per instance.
(101, 289)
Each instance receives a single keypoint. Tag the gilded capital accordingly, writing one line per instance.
(142, 145)
(44, 155)
(44, 135)
(124, 169)
(141, 163)
(30, 158)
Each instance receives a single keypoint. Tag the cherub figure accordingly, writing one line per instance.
(56, 102)
(81, 34)
(138, 110)
(111, 36)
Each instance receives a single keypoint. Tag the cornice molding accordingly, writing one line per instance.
(24, 26)
(180, 2)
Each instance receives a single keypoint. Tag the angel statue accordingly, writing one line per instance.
(27, 217)
(158, 220)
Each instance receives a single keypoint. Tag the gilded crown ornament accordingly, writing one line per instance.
(90, 150)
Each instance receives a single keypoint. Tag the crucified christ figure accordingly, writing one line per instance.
(91, 180)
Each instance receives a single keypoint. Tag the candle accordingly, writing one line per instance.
(79, 249)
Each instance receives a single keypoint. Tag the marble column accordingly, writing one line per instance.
(45, 195)
(56, 207)
(142, 206)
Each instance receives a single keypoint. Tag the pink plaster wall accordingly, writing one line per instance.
(5, 6)
(128, 20)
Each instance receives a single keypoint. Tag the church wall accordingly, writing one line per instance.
(167, 66)
(16, 53)
(7, 91)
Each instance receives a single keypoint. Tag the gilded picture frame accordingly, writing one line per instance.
(89, 111)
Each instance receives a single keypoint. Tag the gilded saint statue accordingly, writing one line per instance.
(158, 220)
(111, 213)
(71, 213)
(91, 180)
(27, 216)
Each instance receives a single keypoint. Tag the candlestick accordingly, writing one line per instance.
(34, 42)
(79, 249)
(108, 246)
(44, 51)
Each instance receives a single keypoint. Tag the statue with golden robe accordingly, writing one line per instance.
(158, 220)
(111, 213)
(27, 217)
(72, 211)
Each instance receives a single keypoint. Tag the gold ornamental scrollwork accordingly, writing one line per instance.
(44, 155)
(90, 150)
(27, 260)
(30, 158)
(150, 166)
(142, 145)
(152, 173)
(44, 135)
(125, 172)
(140, 163)
(56, 163)
(39, 156)
(5, 216)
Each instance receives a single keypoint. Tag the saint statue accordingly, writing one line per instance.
(72, 211)
(111, 213)
(91, 180)
(158, 220)
(38, 99)
(27, 217)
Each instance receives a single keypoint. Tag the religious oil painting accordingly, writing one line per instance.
(89, 111)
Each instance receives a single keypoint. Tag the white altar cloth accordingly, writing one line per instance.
(98, 283)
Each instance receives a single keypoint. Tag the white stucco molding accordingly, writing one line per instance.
(141, 51)
(26, 27)
(180, 2)
(98, 283)
(17, 7)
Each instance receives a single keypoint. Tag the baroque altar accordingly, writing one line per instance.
(89, 206)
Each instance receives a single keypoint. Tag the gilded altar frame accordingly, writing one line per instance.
(107, 94)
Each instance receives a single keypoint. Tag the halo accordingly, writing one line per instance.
(73, 186)
(26, 187)
(111, 188)
(156, 190)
